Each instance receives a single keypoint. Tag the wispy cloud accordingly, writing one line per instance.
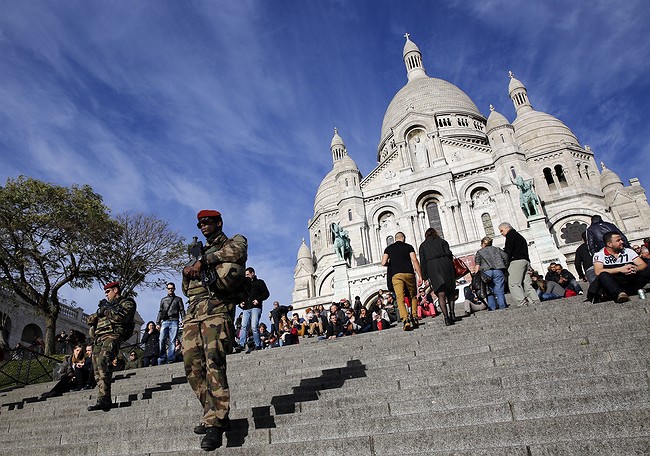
(169, 108)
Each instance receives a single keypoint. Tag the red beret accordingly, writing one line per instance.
(112, 285)
(207, 213)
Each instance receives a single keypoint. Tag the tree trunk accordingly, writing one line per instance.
(3, 323)
(50, 333)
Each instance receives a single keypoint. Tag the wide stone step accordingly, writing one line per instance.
(560, 378)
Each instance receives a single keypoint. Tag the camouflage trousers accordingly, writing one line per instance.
(206, 342)
(104, 352)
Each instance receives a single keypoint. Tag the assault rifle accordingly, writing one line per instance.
(195, 251)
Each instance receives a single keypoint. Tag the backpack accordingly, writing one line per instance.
(231, 274)
(127, 327)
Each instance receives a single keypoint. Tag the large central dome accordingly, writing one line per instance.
(424, 95)
(427, 96)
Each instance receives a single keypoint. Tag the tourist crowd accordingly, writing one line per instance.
(610, 267)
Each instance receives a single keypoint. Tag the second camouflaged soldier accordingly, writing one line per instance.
(112, 324)
(208, 330)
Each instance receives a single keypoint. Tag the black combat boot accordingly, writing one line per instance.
(213, 439)
(103, 403)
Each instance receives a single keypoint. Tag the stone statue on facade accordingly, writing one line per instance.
(342, 245)
(421, 152)
(528, 199)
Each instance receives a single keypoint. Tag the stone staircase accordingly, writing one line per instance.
(564, 377)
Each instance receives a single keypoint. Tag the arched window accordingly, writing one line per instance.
(347, 184)
(587, 172)
(561, 178)
(513, 172)
(350, 215)
(388, 226)
(548, 177)
(433, 214)
(487, 224)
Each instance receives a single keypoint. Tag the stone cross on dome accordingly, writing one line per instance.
(491, 108)
(406, 35)
(510, 74)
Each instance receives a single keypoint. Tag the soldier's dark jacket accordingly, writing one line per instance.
(203, 301)
(119, 312)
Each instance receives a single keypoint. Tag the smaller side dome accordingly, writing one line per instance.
(495, 120)
(409, 46)
(514, 83)
(609, 180)
(303, 251)
(336, 139)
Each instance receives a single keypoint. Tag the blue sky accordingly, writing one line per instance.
(170, 107)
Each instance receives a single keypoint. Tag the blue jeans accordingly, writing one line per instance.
(168, 328)
(548, 296)
(498, 287)
(574, 285)
(250, 317)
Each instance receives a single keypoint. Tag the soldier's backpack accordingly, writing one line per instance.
(231, 274)
(127, 327)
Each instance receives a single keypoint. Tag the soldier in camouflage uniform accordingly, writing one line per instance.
(208, 330)
(108, 329)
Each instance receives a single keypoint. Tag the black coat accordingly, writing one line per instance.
(259, 292)
(151, 343)
(437, 264)
(516, 246)
(584, 260)
(597, 230)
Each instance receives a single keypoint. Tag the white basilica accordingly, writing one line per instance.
(442, 164)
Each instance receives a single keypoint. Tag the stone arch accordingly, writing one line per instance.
(416, 199)
(432, 216)
(482, 208)
(386, 206)
(371, 298)
(566, 234)
(413, 122)
(31, 332)
(420, 150)
(560, 173)
(582, 214)
(324, 280)
(388, 225)
(468, 188)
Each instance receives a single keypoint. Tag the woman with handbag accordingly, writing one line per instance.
(491, 264)
(438, 268)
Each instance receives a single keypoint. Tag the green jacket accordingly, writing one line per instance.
(203, 301)
(118, 315)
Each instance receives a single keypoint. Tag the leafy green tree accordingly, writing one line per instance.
(52, 236)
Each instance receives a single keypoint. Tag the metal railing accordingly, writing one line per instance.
(23, 366)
